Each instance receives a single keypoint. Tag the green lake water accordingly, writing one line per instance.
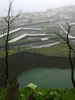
(46, 78)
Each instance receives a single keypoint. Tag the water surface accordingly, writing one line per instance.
(46, 78)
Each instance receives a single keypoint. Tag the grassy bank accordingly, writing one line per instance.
(11, 52)
(57, 50)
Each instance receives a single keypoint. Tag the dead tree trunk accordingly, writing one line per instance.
(70, 50)
(6, 58)
(8, 19)
(72, 69)
(70, 58)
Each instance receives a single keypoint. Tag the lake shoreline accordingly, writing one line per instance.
(23, 61)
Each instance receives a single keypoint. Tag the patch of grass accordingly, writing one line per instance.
(11, 52)
(60, 50)
(57, 50)
(2, 54)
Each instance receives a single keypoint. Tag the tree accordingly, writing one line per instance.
(70, 48)
(9, 19)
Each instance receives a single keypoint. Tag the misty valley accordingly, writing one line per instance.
(37, 55)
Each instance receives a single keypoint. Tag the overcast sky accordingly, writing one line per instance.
(33, 5)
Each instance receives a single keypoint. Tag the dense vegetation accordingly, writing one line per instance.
(32, 91)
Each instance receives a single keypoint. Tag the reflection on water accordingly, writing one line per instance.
(46, 78)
